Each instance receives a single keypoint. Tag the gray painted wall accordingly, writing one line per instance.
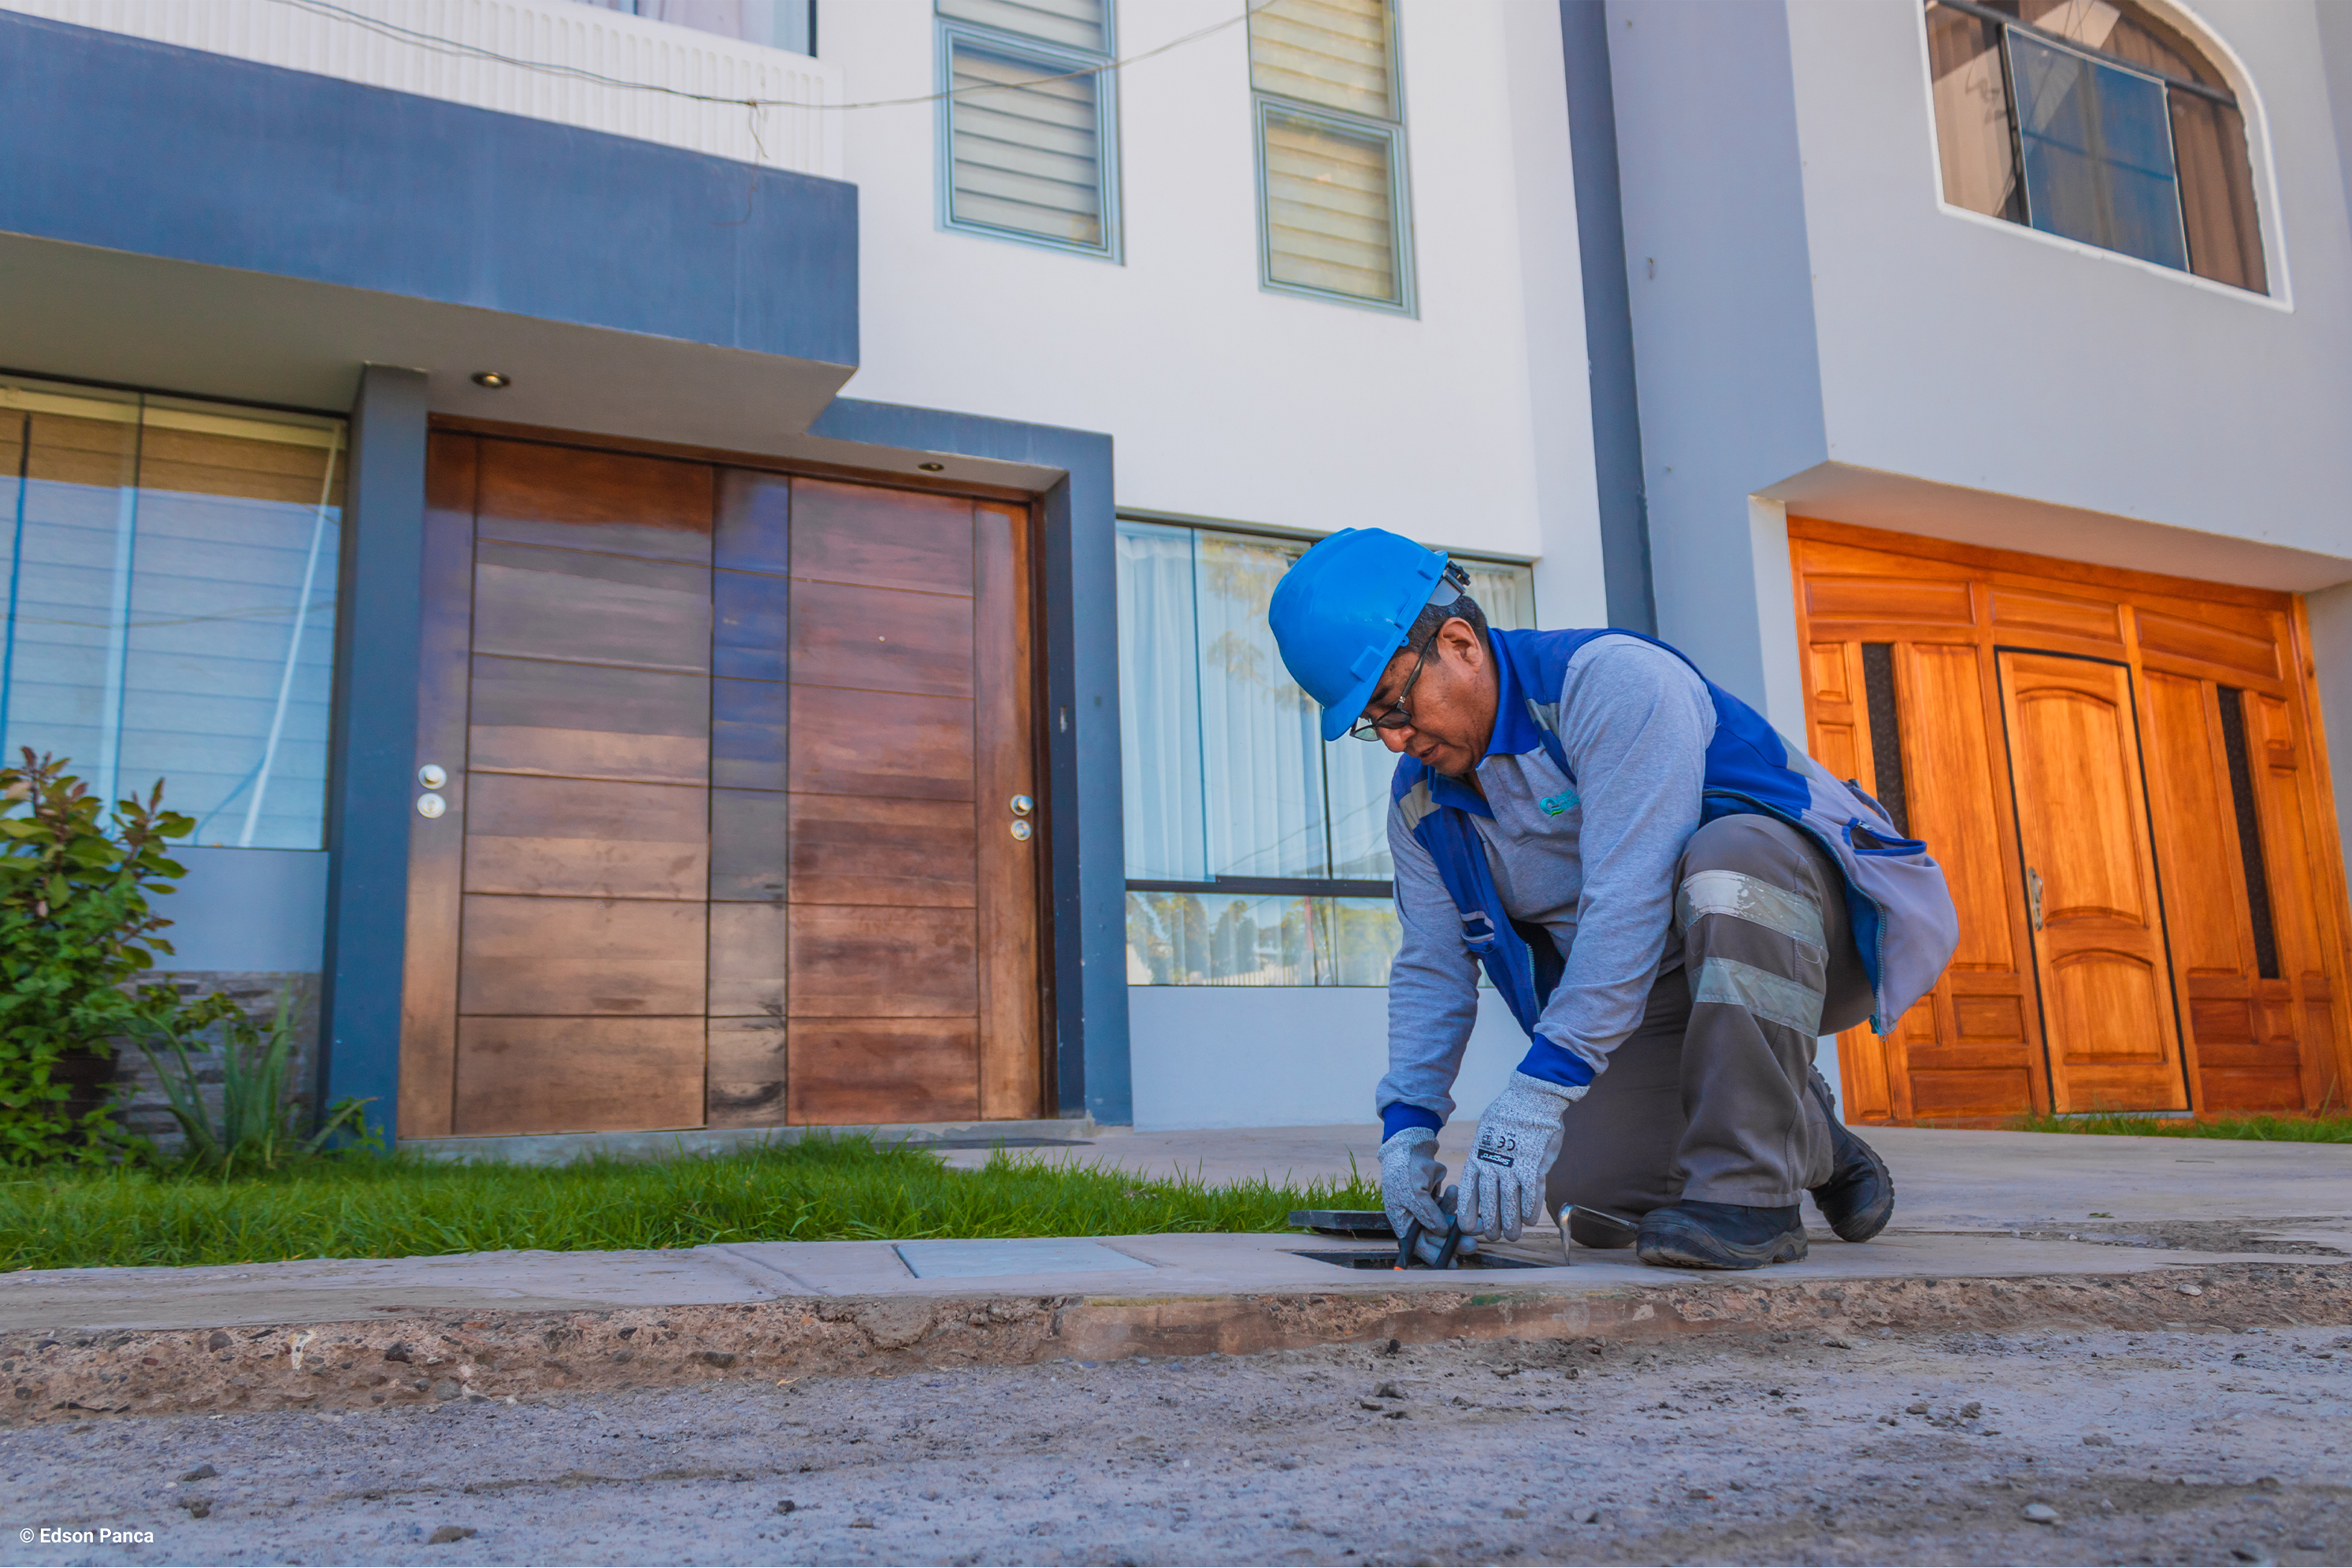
(247, 911)
(1718, 272)
(2031, 368)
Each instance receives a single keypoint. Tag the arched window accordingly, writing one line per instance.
(2097, 120)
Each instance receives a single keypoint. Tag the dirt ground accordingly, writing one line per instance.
(2157, 1447)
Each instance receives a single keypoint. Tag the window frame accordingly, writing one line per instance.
(2243, 94)
(1392, 131)
(945, 31)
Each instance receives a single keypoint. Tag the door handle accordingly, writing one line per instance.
(2034, 897)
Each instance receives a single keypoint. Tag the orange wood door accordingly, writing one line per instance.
(731, 836)
(2091, 884)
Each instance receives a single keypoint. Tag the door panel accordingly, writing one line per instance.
(609, 501)
(530, 1074)
(883, 1070)
(2301, 1001)
(2197, 655)
(2106, 994)
(589, 721)
(586, 839)
(742, 779)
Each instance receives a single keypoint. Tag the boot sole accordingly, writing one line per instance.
(1687, 1247)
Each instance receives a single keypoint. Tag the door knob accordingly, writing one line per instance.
(1022, 830)
(2034, 897)
(1023, 805)
(432, 776)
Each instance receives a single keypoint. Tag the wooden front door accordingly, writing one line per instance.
(2144, 750)
(731, 836)
(2091, 884)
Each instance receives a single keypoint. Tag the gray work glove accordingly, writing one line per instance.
(1519, 1139)
(1410, 1178)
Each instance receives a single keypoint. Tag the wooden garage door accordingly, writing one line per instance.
(731, 836)
(2141, 750)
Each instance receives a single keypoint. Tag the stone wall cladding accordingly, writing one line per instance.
(147, 1112)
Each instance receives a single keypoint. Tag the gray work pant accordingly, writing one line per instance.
(1708, 1098)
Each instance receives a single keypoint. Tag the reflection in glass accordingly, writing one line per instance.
(172, 574)
(2096, 145)
(1213, 939)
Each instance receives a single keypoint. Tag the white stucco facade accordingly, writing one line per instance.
(1819, 331)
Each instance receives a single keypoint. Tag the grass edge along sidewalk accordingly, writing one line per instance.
(2320, 1128)
(821, 1188)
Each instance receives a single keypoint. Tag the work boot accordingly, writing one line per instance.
(1693, 1234)
(1859, 1197)
(1598, 1228)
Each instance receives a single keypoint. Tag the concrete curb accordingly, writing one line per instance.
(429, 1359)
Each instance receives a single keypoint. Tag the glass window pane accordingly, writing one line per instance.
(1210, 939)
(1334, 52)
(1330, 208)
(2097, 152)
(1259, 741)
(1027, 145)
(1360, 940)
(1507, 595)
(1159, 705)
(1972, 130)
(171, 576)
(1073, 23)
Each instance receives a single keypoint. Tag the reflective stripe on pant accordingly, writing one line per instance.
(1708, 1097)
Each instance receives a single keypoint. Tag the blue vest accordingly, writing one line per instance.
(1896, 902)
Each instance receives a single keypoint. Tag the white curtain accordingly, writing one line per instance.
(1258, 741)
(1159, 705)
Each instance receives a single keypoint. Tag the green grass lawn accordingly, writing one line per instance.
(817, 1189)
(2262, 1129)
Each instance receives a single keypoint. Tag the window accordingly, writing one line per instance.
(171, 577)
(1333, 221)
(1027, 127)
(1257, 853)
(779, 24)
(2093, 119)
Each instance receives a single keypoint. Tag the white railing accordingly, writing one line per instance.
(372, 42)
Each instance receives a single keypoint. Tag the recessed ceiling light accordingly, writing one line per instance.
(493, 380)
(931, 467)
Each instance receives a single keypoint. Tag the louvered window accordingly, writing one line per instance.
(1028, 143)
(1333, 220)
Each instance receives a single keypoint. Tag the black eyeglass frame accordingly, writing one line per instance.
(1398, 716)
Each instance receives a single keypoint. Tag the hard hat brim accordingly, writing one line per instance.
(1348, 709)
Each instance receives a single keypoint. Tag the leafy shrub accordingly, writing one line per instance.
(76, 927)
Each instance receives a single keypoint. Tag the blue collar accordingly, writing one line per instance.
(1515, 734)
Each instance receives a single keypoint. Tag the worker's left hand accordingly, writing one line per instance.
(1519, 1138)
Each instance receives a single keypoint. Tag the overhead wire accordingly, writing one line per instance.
(439, 45)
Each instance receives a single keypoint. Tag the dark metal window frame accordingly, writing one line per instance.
(1988, 14)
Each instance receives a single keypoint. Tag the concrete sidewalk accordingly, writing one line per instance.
(2022, 1227)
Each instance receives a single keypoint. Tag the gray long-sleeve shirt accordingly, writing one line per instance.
(1591, 862)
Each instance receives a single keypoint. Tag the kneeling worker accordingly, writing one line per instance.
(1674, 902)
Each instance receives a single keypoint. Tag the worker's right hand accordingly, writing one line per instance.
(1410, 1179)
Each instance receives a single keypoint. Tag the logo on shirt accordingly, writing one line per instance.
(1553, 805)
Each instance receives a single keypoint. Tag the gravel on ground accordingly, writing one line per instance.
(2061, 1447)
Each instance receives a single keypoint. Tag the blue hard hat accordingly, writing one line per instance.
(1343, 609)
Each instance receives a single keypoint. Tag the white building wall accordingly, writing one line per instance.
(1468, 426)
